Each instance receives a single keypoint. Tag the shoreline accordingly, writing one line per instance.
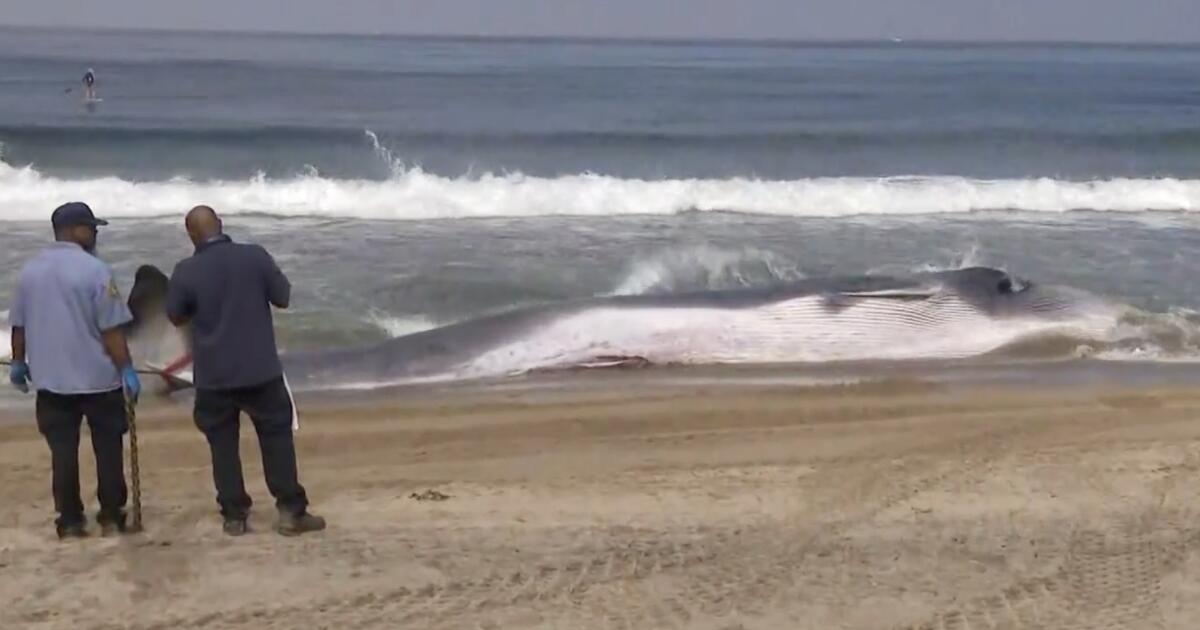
(601, 383)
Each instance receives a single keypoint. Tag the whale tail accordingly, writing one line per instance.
(157, 346)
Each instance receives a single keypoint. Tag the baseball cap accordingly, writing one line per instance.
(74, 213)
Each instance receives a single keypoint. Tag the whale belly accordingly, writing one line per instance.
(805, 329)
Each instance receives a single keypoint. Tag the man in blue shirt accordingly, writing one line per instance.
(67, 321)
(224, 293)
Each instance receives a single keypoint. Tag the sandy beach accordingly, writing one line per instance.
(642, 505)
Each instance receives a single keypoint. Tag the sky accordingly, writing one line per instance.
(973, 20)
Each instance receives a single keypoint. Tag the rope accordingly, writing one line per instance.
(135, 472)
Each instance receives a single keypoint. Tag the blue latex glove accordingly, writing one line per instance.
(18, 375)
(131, 382)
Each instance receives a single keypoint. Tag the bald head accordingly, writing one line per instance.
(202, 223)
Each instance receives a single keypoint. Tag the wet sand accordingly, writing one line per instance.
(634, 501)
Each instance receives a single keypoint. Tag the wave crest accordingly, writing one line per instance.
(411, 193)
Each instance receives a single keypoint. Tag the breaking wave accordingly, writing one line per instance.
(705, 267)
(411, 193)
(399, 326)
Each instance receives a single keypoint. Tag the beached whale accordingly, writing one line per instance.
(944, 314)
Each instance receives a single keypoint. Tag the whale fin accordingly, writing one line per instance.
(840, 300)
(914, 293)
(614, 361)
(598, 362)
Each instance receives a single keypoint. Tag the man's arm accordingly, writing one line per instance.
(16, 319)
(18, 371)
(279, 289)
(116, 346)
(118, 350)
(111, 316)
(18, 343)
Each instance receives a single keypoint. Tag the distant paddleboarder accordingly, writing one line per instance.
(89, 85)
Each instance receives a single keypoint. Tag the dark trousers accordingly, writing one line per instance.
(59, 417)
(217, 414)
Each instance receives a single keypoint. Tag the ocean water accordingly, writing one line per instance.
(405, 183)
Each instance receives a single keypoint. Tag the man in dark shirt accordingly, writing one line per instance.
(225, 292)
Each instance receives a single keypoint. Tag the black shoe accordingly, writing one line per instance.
(74, 530)
(234, 526)
(295, 524)
(111, 526)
